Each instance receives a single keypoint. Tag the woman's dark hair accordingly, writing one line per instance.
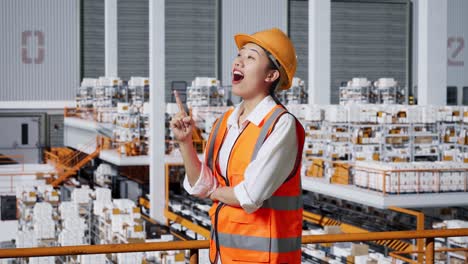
(273, 66)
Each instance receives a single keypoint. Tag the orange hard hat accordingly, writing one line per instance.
(278, 44)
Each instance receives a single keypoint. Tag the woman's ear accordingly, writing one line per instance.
(272, 76)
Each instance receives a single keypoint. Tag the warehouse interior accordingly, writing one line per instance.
(87, 156)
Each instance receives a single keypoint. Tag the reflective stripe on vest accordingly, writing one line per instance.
(264, 131)
(283, 203)
(210, 152)
(266, 244)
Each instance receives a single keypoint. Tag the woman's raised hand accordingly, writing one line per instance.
(181, 124)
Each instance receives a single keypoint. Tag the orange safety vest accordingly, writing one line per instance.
(272, 234)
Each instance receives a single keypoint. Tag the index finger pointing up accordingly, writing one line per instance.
(179, 103)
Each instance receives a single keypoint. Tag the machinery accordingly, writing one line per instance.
(362, 91)
(357, 91)
(389, 92)
(205, 92)
(84, 95)
(138, 92)
(127, 130)
(297, 94)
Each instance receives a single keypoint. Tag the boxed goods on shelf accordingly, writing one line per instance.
(42, 210)
(26, 194)
(48, 193)
(413, 177)
(42, 260)
(390, 133)
(449, 114)
(103, 194)
(92, 259)
(44, 228)
(81, 195)
(298, 110)
(70, 238)
(314, 113)
(130, 258)
(84, 96)
(295, 95)
(102, 209)
(465, 114)
(68, 210)
(26, 239)
(124, 205)
(341, 173)
(363, 113)
(425, 114)
(336, 114)
(316, 169)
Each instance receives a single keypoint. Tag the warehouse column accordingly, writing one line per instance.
(432, 52)
(157, 104)
(110, 38)
(319, 51)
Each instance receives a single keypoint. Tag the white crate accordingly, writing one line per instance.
(42, 260)
(44, 228)
(42, 210)
(68, 210)
(26, 239)
(92, 259)
(103, 195)
(81, 195)
(130, 258)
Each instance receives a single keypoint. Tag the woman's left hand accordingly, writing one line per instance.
(225, 195)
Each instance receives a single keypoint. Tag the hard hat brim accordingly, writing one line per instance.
(242, 39)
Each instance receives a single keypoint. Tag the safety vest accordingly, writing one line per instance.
(272, 234)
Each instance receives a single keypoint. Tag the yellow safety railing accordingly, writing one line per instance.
(194, 246)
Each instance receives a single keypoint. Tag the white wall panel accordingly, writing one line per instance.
(39, 50)
(457, 43)
(247, 16)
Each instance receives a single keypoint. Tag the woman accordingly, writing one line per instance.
(252, 160)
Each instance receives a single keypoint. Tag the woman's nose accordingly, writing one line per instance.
(237, 62)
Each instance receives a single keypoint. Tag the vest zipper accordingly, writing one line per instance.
(220, 205)
(226, 180)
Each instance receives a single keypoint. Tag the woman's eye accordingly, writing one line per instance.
(250, 57)
(238, 54)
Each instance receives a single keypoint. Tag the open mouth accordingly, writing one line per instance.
(237, 76)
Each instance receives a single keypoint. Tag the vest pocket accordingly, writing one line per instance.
(249, 238)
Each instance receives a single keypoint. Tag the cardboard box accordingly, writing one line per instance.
(316, 169)
(340, 173)
(359, 249)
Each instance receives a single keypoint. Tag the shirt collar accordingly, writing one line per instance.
(256, 116)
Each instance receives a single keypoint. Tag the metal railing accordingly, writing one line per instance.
(194, 246)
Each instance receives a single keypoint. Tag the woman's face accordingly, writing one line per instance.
(251, 74)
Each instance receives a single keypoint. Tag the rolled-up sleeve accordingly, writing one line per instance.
(274, 163)
(205, 184)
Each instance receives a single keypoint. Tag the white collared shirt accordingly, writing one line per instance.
(264, 175)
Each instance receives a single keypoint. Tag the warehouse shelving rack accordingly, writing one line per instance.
(425, 136)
